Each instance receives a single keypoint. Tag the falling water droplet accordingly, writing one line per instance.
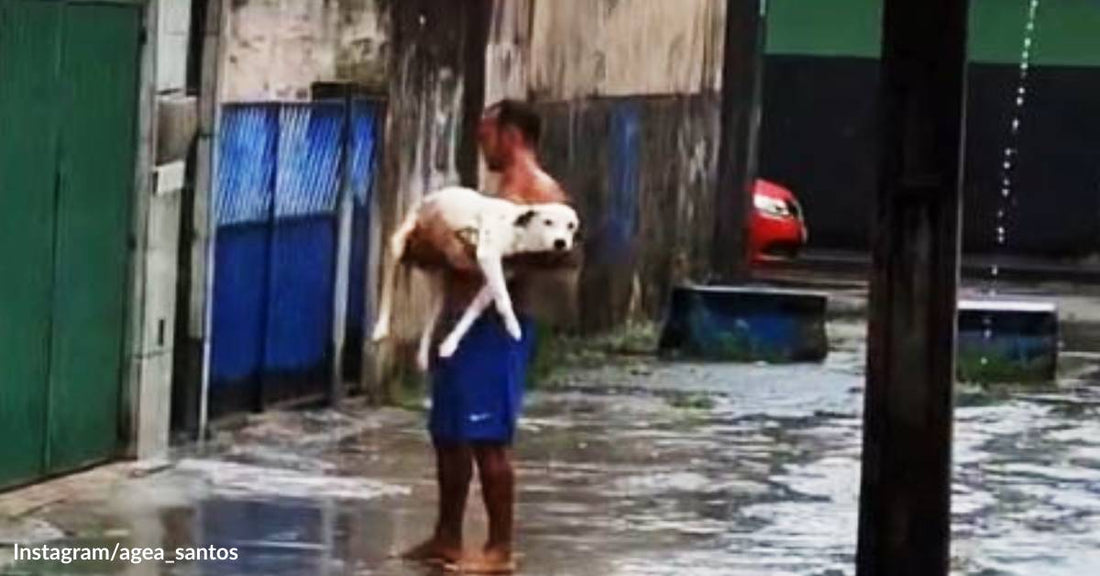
(1007, 164)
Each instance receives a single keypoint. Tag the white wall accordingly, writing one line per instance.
(275, 49)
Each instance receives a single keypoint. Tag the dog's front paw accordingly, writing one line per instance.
(381, 332)
(423, 361)
(448, 348)
(514, 329)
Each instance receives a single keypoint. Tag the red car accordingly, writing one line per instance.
(777, 230)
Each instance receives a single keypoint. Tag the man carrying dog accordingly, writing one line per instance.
(477, 393)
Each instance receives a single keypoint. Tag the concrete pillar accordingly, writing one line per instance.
(133, 386)
(159, 312)
(167, 127)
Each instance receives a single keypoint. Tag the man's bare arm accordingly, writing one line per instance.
(550, 261)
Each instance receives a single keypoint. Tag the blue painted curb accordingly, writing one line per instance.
(1007, 341)
(745, 324)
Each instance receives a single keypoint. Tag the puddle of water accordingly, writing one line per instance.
(232, 480)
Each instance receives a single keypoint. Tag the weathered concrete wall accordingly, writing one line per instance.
(426, 136)
(641, 164)
(629, 94)
(426, 91)
(625, 47)
(508, 54)
(275, 49)
(642, 170)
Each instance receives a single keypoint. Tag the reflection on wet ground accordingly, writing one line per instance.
(632, 468)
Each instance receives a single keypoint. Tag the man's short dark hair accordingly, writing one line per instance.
(521, 116)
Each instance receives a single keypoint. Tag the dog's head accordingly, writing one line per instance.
(546, 228)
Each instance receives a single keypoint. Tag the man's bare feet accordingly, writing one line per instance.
(433, 552)
(490, 561)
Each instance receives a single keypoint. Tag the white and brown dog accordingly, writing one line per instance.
(496, 228)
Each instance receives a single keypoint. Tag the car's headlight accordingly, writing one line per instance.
(771, 206)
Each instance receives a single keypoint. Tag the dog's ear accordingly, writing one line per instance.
(524, 219)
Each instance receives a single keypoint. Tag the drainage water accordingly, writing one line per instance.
(1009, 162)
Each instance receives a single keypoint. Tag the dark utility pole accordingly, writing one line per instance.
(476, 16)
(905, 504)
(740, 120)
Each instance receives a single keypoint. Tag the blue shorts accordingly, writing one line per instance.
(477, 394)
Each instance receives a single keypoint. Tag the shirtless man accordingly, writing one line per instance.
(477, 394)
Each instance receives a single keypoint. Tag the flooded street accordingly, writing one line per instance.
(630, 467)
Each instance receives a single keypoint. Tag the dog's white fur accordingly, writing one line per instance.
(497, 228)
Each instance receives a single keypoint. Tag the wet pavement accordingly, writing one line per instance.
(628, 466)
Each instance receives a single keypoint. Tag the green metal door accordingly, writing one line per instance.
(99, 59)
(29, 36)
(68, 107)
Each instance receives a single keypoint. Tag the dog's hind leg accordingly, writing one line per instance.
(398, 243)
(480, 302)
(435, 310)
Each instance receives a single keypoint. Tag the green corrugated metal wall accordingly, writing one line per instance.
(68, 108)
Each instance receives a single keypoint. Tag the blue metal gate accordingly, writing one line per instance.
(281, 173)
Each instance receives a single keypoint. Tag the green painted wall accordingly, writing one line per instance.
(824, 27)
(1068, 31)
